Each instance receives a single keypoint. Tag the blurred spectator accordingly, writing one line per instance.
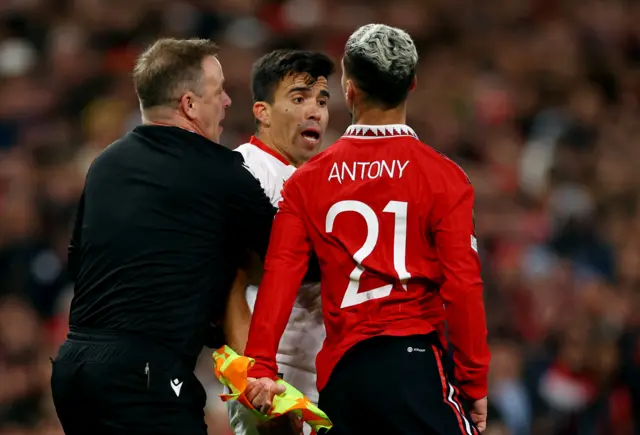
(538, 100)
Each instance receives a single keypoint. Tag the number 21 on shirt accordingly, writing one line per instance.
(399, 209)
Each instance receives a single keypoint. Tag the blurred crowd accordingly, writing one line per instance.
(538, 100)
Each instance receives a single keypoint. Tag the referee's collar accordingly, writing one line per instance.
(173, 131)
(362, 131)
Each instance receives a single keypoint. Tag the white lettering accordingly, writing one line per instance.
(342, 171)
(375, 174)
(390, 170)
(335, 173)
(352, 174)
(401, 167)
(363, 165)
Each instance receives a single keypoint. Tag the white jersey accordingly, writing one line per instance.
(304, 334)
(269, 167)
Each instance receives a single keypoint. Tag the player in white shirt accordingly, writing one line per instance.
(290, 94)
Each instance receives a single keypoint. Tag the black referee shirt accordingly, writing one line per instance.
(164, 219)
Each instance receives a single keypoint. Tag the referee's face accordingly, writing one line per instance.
(209, 109)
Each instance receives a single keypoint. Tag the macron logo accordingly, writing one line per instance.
(176, 386)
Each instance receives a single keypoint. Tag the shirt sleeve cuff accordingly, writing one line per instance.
(261, 371)
(474, 391)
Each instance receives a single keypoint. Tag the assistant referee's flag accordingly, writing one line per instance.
(231, 370)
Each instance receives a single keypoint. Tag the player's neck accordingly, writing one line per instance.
(265, 138)
(376, 116)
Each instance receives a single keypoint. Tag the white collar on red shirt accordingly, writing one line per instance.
(379, 131)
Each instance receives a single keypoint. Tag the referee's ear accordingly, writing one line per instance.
(262, 113)
(188, 105)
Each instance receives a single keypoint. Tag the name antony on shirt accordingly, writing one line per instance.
(367, 170)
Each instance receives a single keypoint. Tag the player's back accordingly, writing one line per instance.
(369, 219)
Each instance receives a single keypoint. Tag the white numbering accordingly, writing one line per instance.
(399, 209)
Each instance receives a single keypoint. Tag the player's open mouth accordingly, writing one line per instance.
(311, 135)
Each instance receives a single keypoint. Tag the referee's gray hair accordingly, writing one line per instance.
(390, 49)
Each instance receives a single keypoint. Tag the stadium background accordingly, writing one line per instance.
(538, 100)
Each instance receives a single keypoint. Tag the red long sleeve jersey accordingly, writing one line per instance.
(391, 221)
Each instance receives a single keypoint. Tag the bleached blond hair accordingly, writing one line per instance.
(380, 56)
(390, 49)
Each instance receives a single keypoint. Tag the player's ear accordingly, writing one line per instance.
(414, 83)
(188, 105)
(350, 93)
(262, 112)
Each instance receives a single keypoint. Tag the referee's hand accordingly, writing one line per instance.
(479, 414)
(260, 393)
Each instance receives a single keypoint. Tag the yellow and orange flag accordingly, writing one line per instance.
(231, 370)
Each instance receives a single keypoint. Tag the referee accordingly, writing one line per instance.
(165, 216)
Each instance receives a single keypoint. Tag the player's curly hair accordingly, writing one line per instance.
(382, 61)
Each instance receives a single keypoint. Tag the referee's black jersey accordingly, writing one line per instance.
(164, 218)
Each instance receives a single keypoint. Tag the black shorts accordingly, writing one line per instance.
(105, 387)
(394, 386)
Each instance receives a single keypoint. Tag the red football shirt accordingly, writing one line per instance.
(391, 221)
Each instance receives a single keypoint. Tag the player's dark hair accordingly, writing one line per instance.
(382, 62)
(275, 66)
(380, 87)
(169, 68)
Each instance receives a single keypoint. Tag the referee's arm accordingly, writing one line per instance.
(251, 209)
(237, 316)
(252, 214)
